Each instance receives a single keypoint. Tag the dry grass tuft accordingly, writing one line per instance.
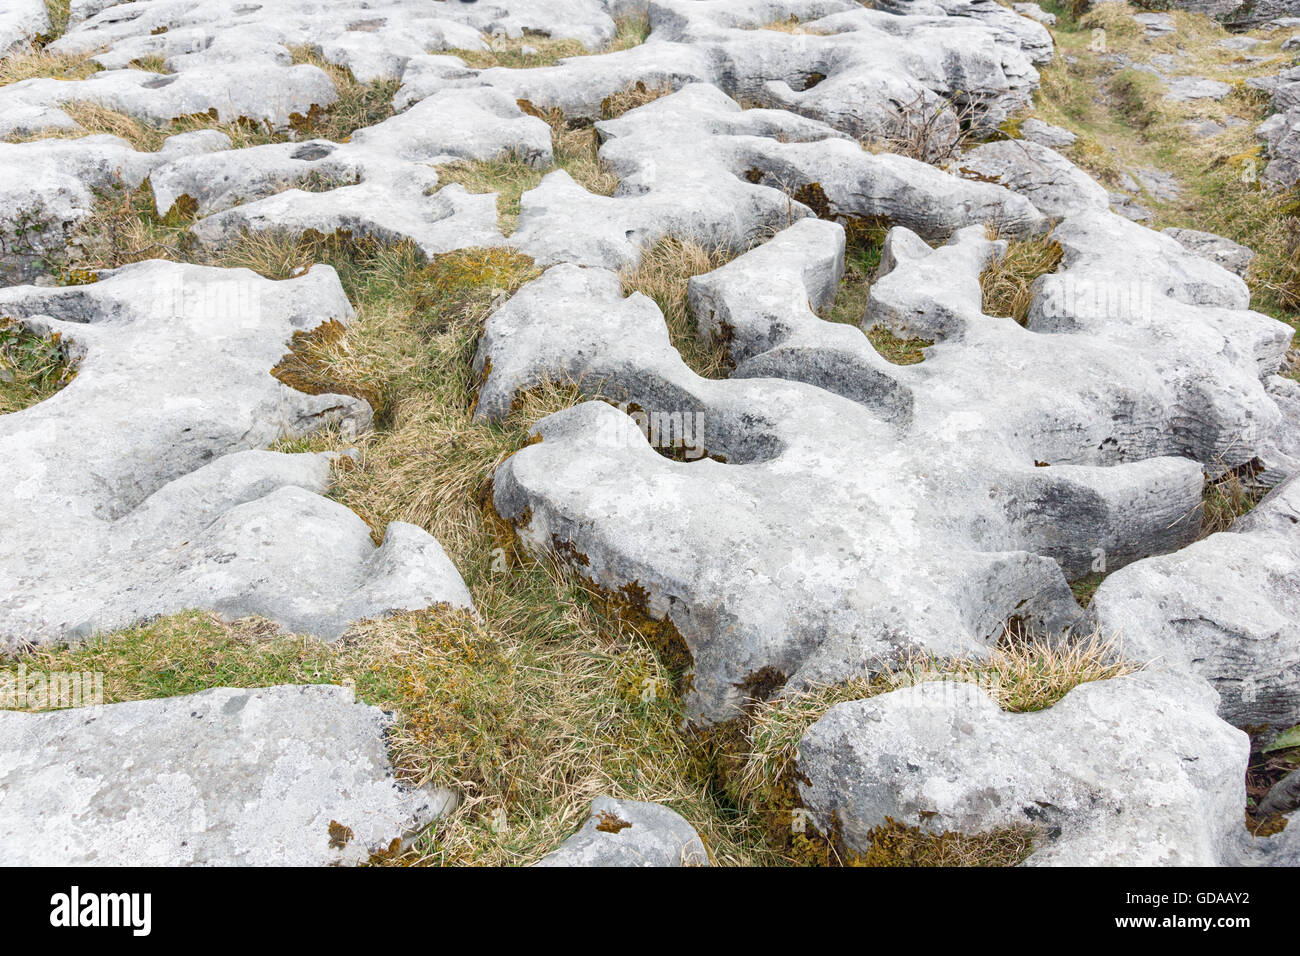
(1008, 281)
(638, 94)
(575, 150)
(42, 63)
(1229, 496)
(663, 274)
(358, 105)
(791, 24)
(507, 176)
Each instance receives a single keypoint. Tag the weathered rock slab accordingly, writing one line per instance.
(1132, 771)
(1226, 609)
(277, 776)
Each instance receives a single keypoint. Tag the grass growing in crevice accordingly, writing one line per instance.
(59, 12)
(93, 119)
(638, 94)
(757, 757)
(1008, 280)
(507, 176)
(861, 260)
(358, 105)
(32, 367)
(1228, 497)
(663, 274)
(534, 49)
(1086, 587)
(42, 64)
(574, 148)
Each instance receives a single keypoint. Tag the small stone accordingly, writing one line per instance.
(1156, 24)
(628, 833)
(1045, 134)
(1035, 12)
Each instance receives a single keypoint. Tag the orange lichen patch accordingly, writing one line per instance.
(610, 823)
(305, 366)
(340, 836)
(631, 604)
(305, 124)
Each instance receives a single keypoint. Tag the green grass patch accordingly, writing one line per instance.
(32, 367)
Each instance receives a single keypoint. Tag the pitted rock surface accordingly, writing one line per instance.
(384, 183)
(234, 60)
(140, 480)
(21, 22)
(275, 776)
(831, 570)
(854, 68)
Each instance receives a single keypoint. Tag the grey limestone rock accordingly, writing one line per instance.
(1231, 255)
(275, 776)
(1226, 608)
(22, 21)
(141, 481)
(1132, 771)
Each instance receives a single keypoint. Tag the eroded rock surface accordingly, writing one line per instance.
(382, 183)
(21, 22)
(140, 481)
(236, 61)
(855, 68)
(1132, 771)
(1226, 608)
(276, 776)
(1047, 478)
(816, 514)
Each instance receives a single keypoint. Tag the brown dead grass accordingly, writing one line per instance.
(1008, 281)
(663, 274)
(638, 94)
(42, 63)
